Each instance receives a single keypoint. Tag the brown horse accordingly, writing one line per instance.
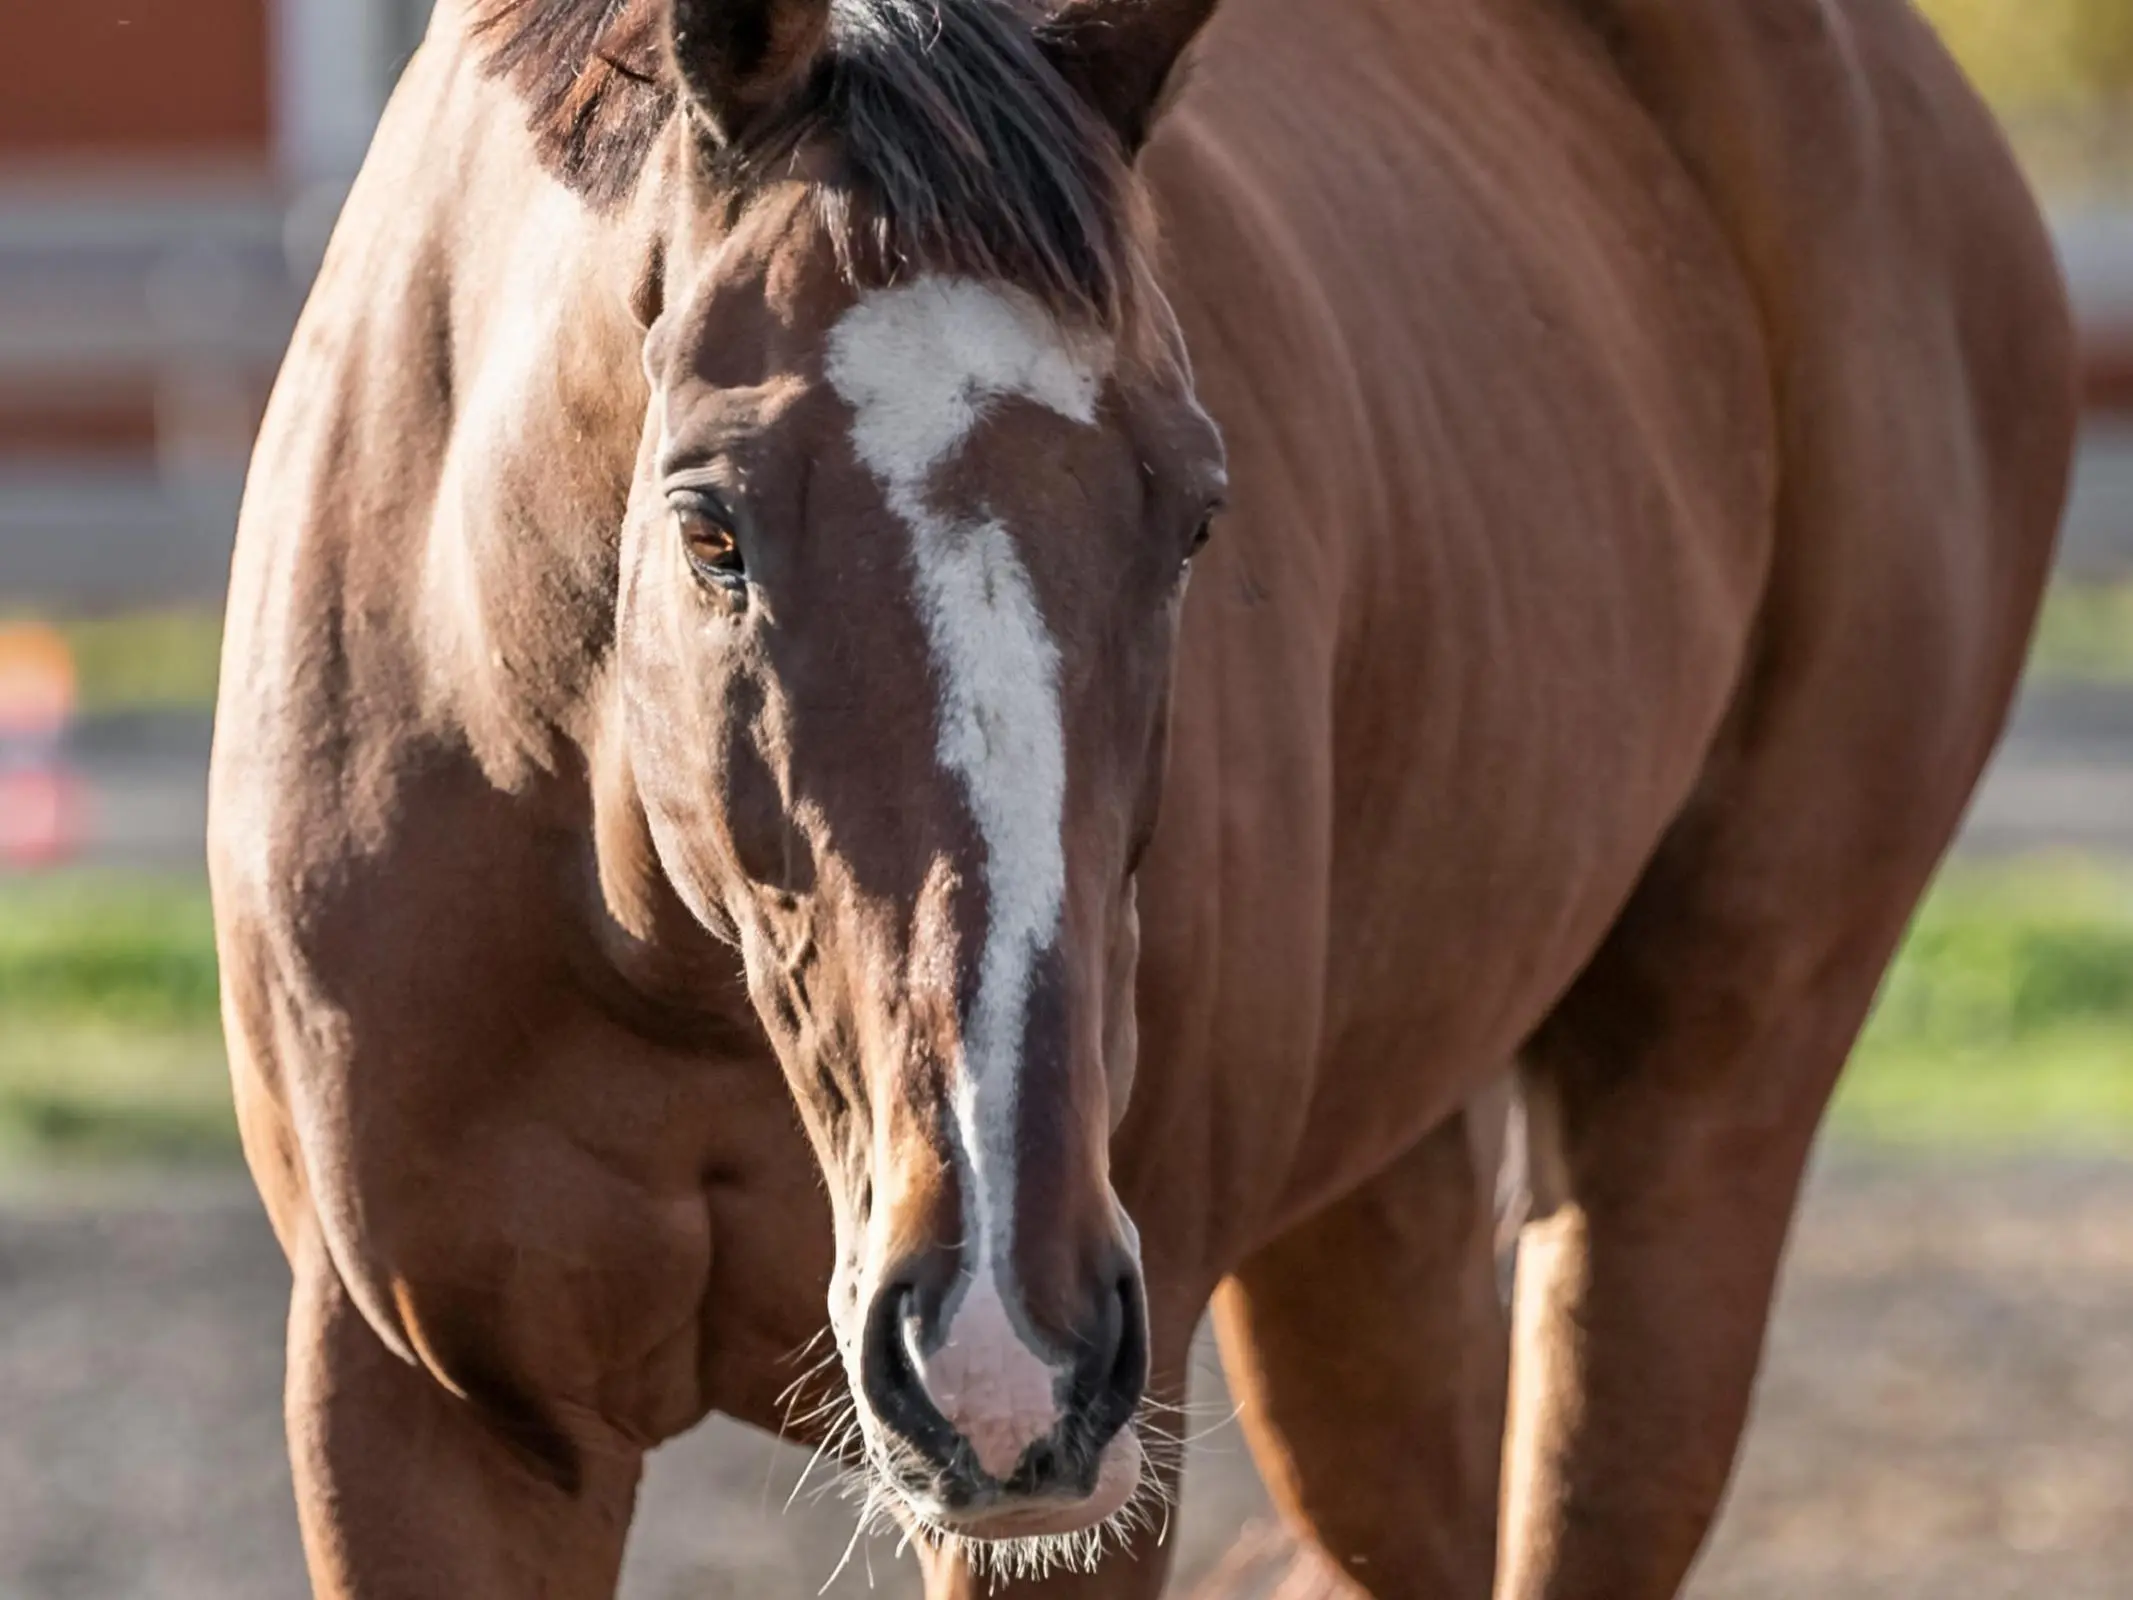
(709, 637)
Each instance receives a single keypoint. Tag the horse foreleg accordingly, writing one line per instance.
(1368, 1350)
(407, 1491)
(1668, 1142)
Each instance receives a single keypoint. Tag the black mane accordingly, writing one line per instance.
(595, 79)
(954, 143)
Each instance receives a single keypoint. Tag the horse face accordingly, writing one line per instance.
(901, 596)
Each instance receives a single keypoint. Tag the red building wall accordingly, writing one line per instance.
(128, 79)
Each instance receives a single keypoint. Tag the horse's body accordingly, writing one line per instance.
(1646, 425)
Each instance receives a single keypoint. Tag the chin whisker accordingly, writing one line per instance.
(833, 1445)
(868, 1467)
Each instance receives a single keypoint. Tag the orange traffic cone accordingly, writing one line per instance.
(42, 802)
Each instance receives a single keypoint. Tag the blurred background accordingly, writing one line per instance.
(1948, 1408)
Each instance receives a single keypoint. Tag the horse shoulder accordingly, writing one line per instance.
(440, 1072)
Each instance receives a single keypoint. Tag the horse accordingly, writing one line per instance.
(896, 674)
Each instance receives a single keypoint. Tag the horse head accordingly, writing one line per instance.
(916, 501)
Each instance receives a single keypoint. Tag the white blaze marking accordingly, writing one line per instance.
(918, 364)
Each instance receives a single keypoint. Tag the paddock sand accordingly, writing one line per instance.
(1947, 1411)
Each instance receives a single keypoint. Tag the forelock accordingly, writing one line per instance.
(940, 139)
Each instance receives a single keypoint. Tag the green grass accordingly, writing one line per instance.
(117, 950)
(2086, 634)
(2008, 1018)
(2007, 1023)
(110, 1047)
(143, 660)
(146, 661)
(83, 1093)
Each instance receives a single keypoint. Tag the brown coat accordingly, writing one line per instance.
(1646, 425)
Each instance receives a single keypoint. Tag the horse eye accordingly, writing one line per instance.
(1204, 532)
(708, 542)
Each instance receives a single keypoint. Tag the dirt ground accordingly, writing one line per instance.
(1947, 1411)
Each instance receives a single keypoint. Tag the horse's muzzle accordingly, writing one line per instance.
(991, 1434)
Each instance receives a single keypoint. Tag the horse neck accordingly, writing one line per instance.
(547, 420)
(545, 414)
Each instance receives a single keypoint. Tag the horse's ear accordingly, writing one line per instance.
(740, 58)
(1121, 55)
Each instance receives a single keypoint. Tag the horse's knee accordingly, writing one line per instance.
(439, 1365)
(412, 1483)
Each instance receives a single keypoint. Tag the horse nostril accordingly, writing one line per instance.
(1114, 1368)
(890, 1380)
(1131, 1368)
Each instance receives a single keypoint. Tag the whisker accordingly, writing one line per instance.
(828, 1441)
(869, 1475)
(789, 1398)
(859, 1529)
